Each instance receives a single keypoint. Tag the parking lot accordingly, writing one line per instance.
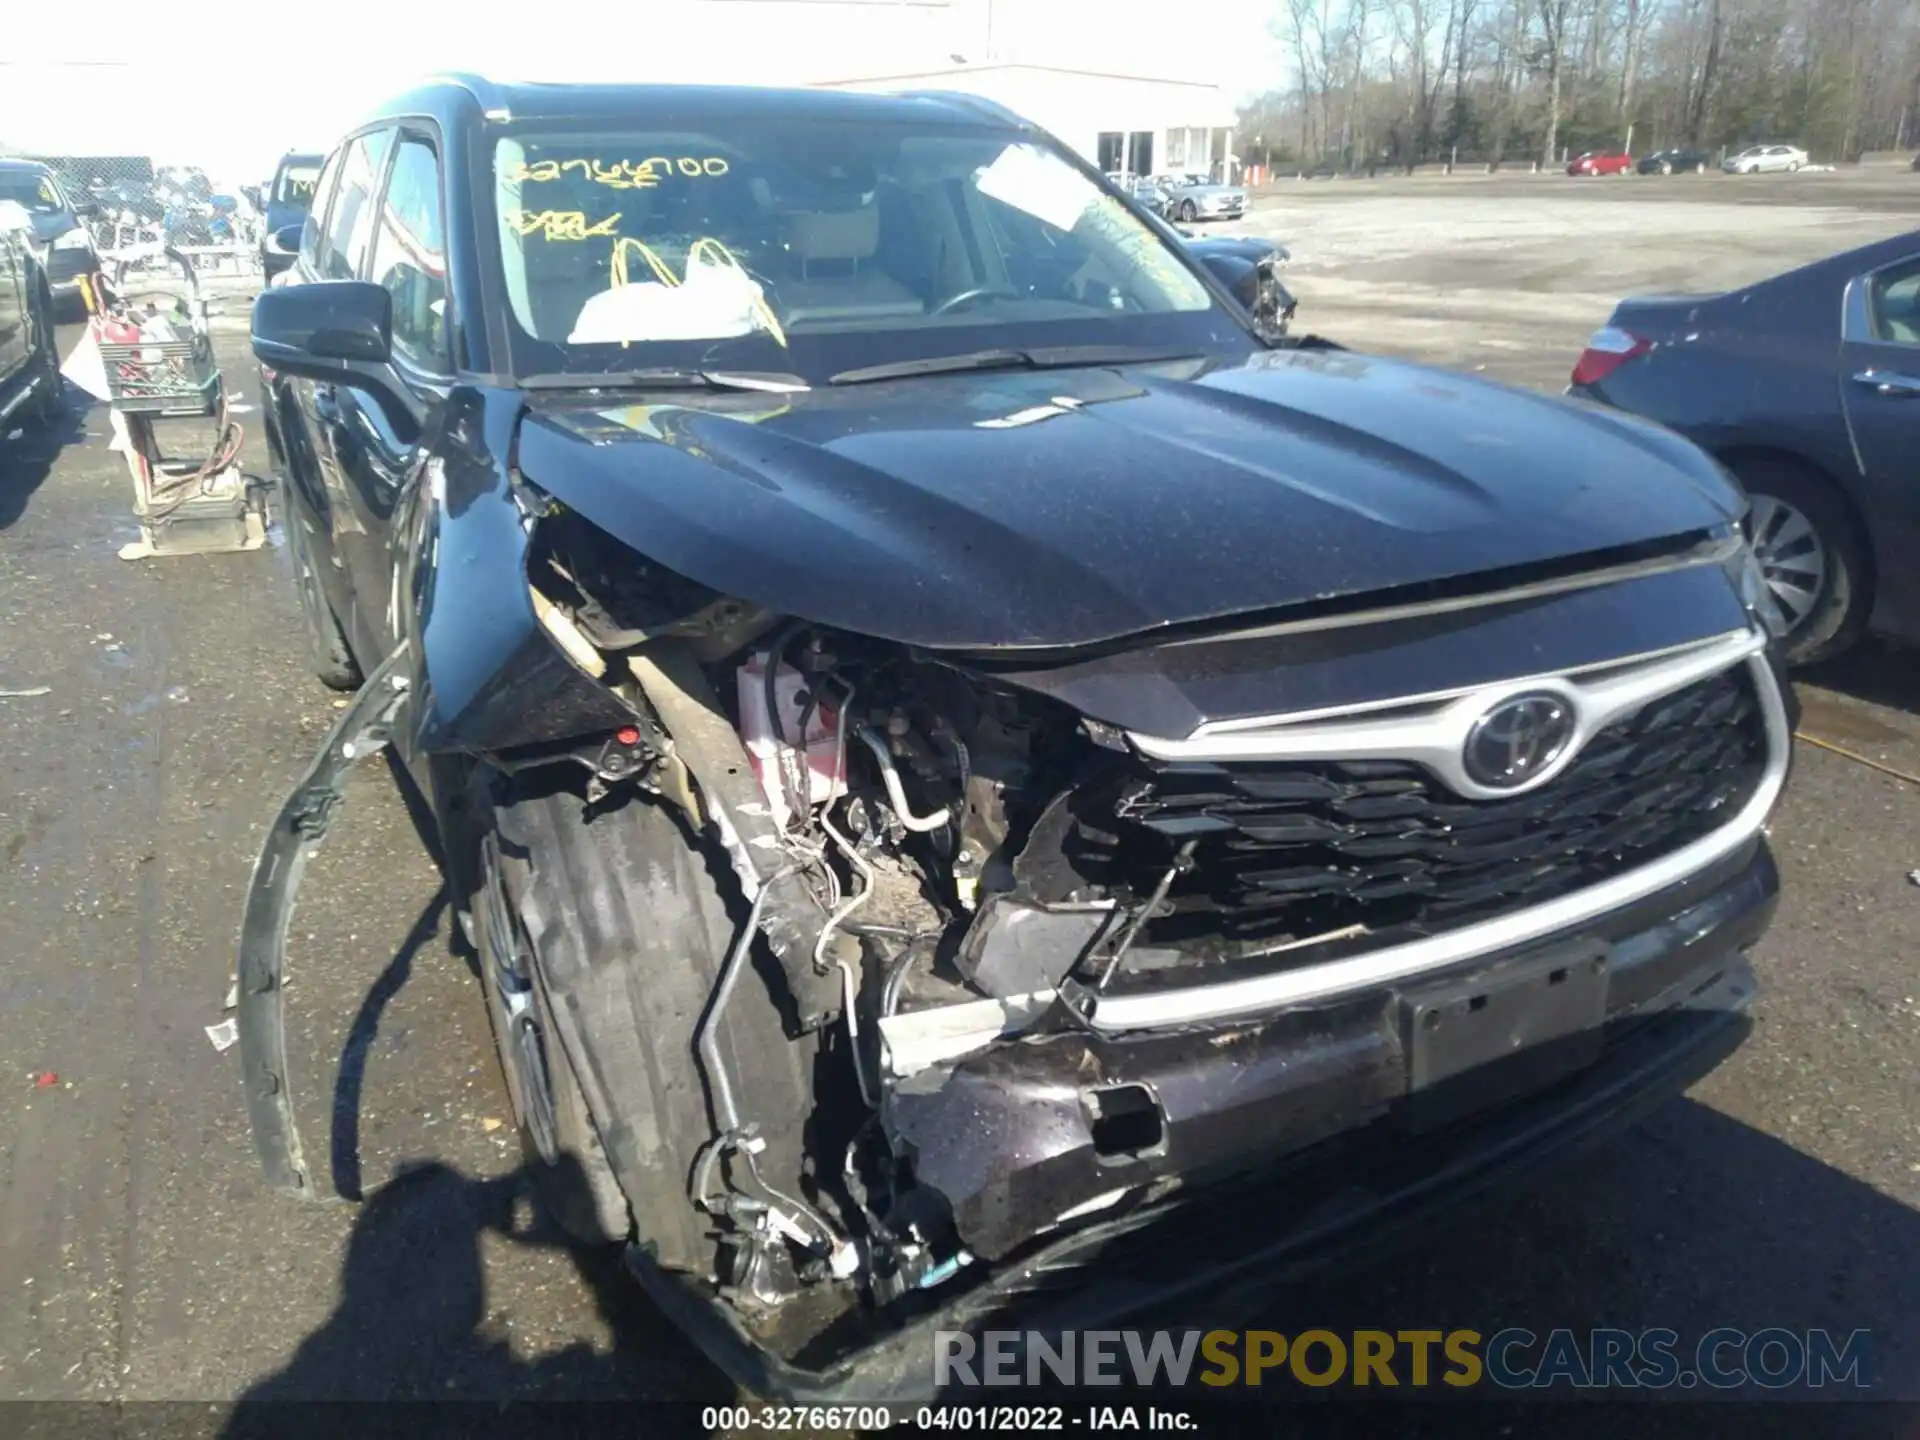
(157, 712)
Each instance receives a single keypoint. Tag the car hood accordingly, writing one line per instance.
(1065, 508)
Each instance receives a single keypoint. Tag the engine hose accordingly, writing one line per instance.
(890, 776)
(726, 1111)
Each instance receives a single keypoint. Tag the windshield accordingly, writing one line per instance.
(819, 245)
(295, 185)
(32, 190)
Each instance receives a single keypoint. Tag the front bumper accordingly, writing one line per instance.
(1293, 1144)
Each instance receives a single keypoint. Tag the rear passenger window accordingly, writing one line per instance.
(1893, 303)
(350, 225)
(409, 257)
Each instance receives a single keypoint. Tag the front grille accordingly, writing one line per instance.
(1290, 849)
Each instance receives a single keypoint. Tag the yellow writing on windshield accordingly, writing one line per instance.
(561, 224)
(618, 174)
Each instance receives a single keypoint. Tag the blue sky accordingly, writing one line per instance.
(260, 91)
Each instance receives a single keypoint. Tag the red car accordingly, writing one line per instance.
(1601, 162)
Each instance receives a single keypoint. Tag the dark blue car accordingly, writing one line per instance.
(287, 204)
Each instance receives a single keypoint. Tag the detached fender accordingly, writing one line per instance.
(363, 729)
(488, 677)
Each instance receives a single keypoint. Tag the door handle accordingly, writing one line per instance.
(1886, 382)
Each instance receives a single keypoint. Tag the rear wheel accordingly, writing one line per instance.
(1792, 165)
(327, 648)
(1813, 553)
(1188, 211)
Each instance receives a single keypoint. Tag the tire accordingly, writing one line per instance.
(1814, 551)
(559, 1142)
(1665, 168)
(1188, 212)
(628, 922)
(1792, 165)
(327, 650)
(50, 393)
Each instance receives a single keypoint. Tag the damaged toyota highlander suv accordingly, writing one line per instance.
(979, 784)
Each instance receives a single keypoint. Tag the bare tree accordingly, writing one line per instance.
(1552, 15)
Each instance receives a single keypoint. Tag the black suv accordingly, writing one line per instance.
(970, 772)
(30, 383)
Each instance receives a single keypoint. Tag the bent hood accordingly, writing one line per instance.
(1063, 508)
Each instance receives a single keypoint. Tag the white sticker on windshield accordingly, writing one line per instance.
(714, 302)
(1041, 184)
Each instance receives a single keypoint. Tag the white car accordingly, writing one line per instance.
(1756, 158)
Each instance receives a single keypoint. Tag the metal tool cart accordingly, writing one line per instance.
(173, 421)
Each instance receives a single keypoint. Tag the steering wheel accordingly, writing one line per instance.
(967, 297)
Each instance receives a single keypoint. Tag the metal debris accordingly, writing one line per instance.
(225, 1035)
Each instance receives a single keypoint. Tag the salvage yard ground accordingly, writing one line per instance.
(141, 1257)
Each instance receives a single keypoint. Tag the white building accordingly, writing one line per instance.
(1132, 123)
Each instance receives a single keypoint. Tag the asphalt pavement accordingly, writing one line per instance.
(153, 715)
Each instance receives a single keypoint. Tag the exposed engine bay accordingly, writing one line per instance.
(955, 872)
(929, 813)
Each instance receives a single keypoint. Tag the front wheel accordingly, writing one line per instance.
(50, 391)
(1188, 212)
(327, 649)
(558, 1138)
(1666, 169)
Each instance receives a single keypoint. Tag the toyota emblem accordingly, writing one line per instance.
(1518, 740)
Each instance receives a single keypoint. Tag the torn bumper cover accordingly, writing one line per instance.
(1044, 1129)
(1251, 1114)
(363, 729)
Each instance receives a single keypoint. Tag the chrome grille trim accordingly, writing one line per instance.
(1261, 995)
(1431, 731)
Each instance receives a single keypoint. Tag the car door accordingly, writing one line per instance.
(15, 339)
(335, 247)
(377, 443)
(293, 443)
(1880, 379)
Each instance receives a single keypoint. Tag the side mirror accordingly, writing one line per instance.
(326, 326)
(335, 331)
(285, 240)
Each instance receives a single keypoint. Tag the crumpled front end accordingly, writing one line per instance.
(1072, 944)
(1103, 932)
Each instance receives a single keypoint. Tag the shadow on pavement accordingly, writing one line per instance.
(1693, 1223)
(1873, 670)
(412, 1322)
(352, 1072)
(26, 462)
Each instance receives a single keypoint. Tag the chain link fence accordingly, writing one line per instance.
(139, 211)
